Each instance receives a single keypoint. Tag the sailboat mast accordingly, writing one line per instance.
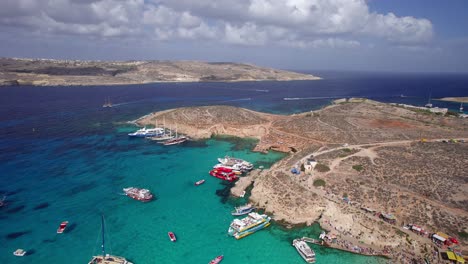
(103, 248)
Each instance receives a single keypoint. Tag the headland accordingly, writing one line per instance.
(48, 72)
(364, 169)
(454, 99)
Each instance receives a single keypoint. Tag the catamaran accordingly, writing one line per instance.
(106, 258)
(304, 250)
(240, 228)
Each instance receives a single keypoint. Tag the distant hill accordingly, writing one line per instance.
(43, 72)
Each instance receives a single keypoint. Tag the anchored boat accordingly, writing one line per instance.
(143, 195)
(148, 132)
(106, 258)
(172, 236)
(200, 182)
(242, 210)
(240, 228)
(238, 163)
(216, 260)
(19, 252)
(227, 176)
(62, 227)
(304, 250)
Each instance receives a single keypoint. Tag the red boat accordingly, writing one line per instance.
(62, 227)
(217, 260)
(172, 236)
(200, 182)
(227, 176)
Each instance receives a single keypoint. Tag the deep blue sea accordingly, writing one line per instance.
(64, 157)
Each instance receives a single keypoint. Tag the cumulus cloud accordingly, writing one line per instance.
(296, 23)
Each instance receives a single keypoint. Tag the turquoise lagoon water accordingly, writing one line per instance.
(79, 178)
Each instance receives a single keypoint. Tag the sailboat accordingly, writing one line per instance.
(429, 104)
(176, 140)
(107, 102)
(106, 258)
(461, 107)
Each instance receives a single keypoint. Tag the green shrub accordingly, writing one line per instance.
(319, 182)
(358, 167)
(322, 167)
(302, 167)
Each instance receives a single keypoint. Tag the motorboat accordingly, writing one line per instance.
(200, 182)
(19, 252)
(216, 260)
(62, 227)
(172, 236)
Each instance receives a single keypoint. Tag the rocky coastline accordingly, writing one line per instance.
(361, 149)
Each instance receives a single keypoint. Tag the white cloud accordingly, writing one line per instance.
(298, 23)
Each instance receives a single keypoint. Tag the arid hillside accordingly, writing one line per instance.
(71, 72)
(387, 159)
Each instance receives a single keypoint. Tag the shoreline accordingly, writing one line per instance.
(453, 99)
(293, 199)
(8, 83)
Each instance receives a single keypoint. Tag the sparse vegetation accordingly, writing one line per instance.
(322, 167)
(463, 234)
(359, 167)
(319, 182)
(302, 167)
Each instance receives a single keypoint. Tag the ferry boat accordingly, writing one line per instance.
(19, 252)
(107, 258)
(242, 164)
(224, 168)
(62, 227)
(242, 210)
(240, 228)
(200, 182)
(227, 176)
(143, 195)
(216, 260)
(304, 250)
(172, 236)
(147, 132)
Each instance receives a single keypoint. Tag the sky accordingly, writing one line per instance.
(357, 35)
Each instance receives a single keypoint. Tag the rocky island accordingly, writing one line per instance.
(47, 72)
(369, 172)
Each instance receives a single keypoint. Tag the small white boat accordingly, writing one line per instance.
(242, 210)
(19, 252)
(304, 250)
(200, 182)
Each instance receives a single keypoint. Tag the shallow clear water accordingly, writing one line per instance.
(64, 157)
